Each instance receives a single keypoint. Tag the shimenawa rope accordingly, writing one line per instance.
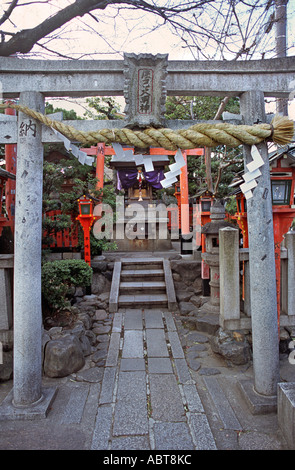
(280, 131)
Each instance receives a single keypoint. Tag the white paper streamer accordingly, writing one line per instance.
(253, 173)
(175, 170)
(74, 150)
(120, 153)
(168, 182)
(139, 159)
(148, 164)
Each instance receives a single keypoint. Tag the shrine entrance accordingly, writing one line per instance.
(144, 80)
(140, 201)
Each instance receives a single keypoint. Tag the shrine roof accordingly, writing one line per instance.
(288, 150)
(128, 161)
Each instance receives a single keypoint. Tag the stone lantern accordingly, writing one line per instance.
(211, 255)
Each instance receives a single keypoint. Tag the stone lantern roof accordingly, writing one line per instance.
(217, 219)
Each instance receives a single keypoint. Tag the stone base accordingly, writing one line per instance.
(258, 404)
(207, 307)
(286, 412)
(38, 410)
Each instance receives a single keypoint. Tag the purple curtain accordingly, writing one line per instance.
(127, 178)
(154, 178)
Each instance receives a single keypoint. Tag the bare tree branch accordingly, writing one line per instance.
(24, 40)
(8, 12)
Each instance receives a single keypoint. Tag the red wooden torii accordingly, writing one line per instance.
(100, 150)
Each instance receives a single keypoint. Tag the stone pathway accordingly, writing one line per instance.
(148, 398)
(151, 383)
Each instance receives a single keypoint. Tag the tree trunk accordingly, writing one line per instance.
(281, 44)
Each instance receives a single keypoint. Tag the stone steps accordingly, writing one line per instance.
(138, 287)
(142, 274)
(143, 300)
(142, 282)
(137, 264)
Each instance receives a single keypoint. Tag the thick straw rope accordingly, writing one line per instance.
(280, 131)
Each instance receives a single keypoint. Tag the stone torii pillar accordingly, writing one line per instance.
(28, 399)
(262, 269)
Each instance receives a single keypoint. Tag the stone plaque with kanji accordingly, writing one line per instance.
(145, 89)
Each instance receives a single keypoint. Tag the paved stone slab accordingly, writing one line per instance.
(74, 410)
(192, 398)
(169, 321)
(204, 439)
(156, 343)
(92, 375)
(172, 436)
(117, 322)
(102, 430)
(153, 319)
(176, 347)
(131, 414)
(133, 344)
(43, 437)
(108, 384)
(222, 404)
(130, 443)
(166, 399)
(182, 371)
(113, 352)
(132, 364)
(159, 365)
(133, 320)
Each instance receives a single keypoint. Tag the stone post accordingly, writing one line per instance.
(27, 261)
(229, 276)
(211, 255)
(290, 245)
(262, 262)
(28, 399)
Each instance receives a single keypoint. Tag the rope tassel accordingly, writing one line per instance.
(280, 131)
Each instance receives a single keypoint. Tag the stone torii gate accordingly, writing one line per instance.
(31, 81)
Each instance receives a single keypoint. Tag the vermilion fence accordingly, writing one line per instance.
(66, 238)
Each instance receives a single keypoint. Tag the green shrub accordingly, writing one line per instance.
(59, 277)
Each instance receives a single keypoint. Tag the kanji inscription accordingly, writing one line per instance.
(145, 89)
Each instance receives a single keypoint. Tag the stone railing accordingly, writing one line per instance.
(235, 305)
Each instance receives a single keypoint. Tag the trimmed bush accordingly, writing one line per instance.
(59, 278)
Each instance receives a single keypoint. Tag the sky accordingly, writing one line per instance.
(113, 33)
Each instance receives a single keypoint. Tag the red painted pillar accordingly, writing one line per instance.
(87, 248)
(10, 159)
(100, 165)
(185, 229)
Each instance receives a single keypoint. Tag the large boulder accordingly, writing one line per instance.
(232, 345)
(100, 283)
(188, 270)
(63, 356)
